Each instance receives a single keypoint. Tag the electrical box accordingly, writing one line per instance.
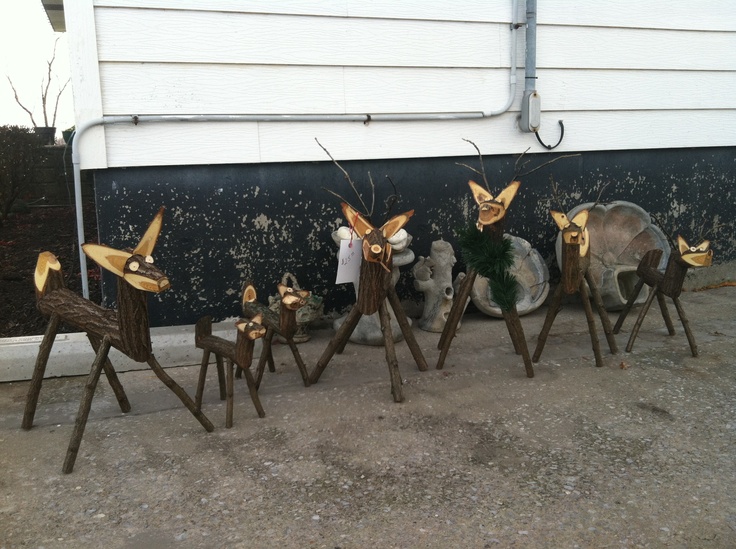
(531, 112)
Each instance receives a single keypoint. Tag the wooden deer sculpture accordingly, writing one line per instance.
(283, 324)
(667, 284)
(239, 352)
(373, 290)
(126, 329)
(491, 212)
(575, 274)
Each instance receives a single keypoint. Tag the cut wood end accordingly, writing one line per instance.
(249, 293)
(47, 261)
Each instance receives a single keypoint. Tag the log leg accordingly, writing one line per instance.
(686, 326)
(552, 310)
(591, 324)
(265, 357)
(350, 331)
(605, 321)
(112, 377)
(202, 378)
(456, 311)
(39, 370)
(85, 405)
(665, 314)
(516, 332)
(411, 341)
(298, 359)
(340, 337)
(393, 363)
(635, 330)
(627, 307)
(181, 393)
(229, 370)
(250, 381)
(221, 376)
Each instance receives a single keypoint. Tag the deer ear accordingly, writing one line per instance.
(393, 225)
(581, 218)
(249, 293)
(148, 242)
(561, 219)
(108, 258)
(682, 245)
(507, 195)
(479, 193)
(356, 220)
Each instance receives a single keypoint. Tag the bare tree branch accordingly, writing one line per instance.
(17, 100)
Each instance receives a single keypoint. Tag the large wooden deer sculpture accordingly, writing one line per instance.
(283, 324)
(374, 289)
(239, 352)
(667, 284)
(126, 329)
(574, 275)
(491, 212)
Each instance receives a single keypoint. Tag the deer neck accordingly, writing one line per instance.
(573, 268)
(674, 276)
(133, 321)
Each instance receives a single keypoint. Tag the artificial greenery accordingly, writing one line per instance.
(491, 259)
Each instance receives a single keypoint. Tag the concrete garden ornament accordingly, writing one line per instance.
(433, 277)
(620, 234)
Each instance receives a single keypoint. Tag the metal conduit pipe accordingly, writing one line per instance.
(365, 118)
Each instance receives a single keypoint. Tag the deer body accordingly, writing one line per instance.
(666, 284)
(126, 329)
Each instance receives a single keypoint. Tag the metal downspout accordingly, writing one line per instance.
(365, 118)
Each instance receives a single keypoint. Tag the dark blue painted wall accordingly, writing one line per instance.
(228, 224)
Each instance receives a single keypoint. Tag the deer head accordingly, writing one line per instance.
(695, 256)
(291, 298)
(252, 329)
(376, 247)
(491, 210)
(574, 232)
(136, 268)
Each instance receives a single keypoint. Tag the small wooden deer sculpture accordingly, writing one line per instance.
(667, 284)
(239, 352)
(575, 263)
(491, 212)
(126, 329)
(283, 324)
(374, 289)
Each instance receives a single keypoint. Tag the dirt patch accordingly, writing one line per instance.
(22, 237)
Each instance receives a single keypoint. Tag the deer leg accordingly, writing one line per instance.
(340, 337)
(250, 381)
(265, 356)
(605, 321)
(686, 326)
(85, 405)
(229, 369)
(635, 330)
(456, 313)
(591, 324)
(665, 314)
(411, 341)
(344, 341)
(552, 310)
(181, 393)
(202, 378)
(393, 363)
(627, 307)
(221, 376)
(112, 377)
(39, 370)
(299, 362)
(516, 332)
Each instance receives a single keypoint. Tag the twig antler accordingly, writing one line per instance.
(368, 212)
(482, 171)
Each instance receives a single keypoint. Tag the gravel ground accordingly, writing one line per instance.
(638, 453)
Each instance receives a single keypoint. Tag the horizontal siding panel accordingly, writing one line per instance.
(459, 10)
(207, 37)
(604, 48)
(231, 89)
(708, 15)
(217, 143)
(574, 90)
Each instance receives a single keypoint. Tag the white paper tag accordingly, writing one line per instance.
(349, 258)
